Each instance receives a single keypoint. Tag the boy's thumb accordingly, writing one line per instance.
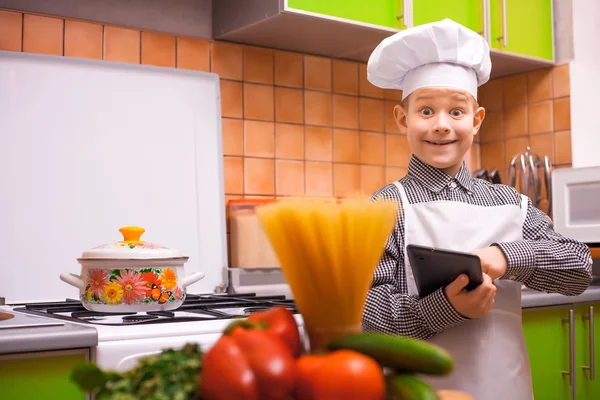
(458, 285)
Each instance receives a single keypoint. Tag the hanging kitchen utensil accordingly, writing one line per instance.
(131, 276)
(524, 172)
(481, 174)
(548, 182)
(528, 164)
(495, 176)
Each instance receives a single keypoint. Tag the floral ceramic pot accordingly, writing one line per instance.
(131, 276)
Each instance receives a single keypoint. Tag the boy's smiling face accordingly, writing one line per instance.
(440, 125)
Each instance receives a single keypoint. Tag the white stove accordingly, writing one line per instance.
(124, 337)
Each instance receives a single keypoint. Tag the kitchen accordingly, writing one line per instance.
(290, 129)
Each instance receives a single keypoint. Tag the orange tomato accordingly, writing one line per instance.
(307, 367)
(347, 374)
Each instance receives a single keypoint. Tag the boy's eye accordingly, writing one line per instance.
(426, 111)
(456, 112)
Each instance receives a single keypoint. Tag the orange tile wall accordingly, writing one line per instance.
(293, 124)
(523, 110)
(297, 124)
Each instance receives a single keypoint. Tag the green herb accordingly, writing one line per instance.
(169, 375)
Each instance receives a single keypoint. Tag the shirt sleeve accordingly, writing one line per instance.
(545, 260)
(390, 309)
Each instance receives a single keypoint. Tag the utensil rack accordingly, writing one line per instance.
(529, 165)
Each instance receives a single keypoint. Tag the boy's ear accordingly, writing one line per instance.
(400, 117)
(478, 119)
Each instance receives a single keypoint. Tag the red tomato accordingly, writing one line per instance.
(226, 374)
(347, 374)
(270, 360)
(307, 368)
(281, 322)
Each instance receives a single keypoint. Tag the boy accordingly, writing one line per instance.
(439, 67)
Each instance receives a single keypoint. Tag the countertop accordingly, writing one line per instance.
(531, 298)
(26, 333)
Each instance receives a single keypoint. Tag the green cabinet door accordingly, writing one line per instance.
(547, 340)
(588, 336)
(387, 13)
(523, 27)
(38, 376)
(465, 12)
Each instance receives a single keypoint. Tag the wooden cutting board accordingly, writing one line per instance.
(454, 395)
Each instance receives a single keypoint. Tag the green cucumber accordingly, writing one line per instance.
(409, 387)
(399, 353)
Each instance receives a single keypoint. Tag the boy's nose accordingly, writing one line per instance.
(441, 125)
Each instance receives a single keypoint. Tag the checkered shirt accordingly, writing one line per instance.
(544, 260)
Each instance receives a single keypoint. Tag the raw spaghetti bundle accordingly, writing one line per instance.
(328, 251)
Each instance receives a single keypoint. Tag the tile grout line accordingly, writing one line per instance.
(554, 116)
(64, 34)
(332, 122)
(22, 31)
(274, 114)
(176, 52)
(141, 45)
(244, 189)
(304, 122)
(102, 42)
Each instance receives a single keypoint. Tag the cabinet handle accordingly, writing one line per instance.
(504, 36)
(403, 25)
(485, 20)
(590, 367)
(482, 31)
(405, 16)
(571, 371)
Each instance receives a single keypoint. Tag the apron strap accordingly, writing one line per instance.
(403, 196)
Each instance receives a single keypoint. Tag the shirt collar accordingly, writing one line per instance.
(434, 179)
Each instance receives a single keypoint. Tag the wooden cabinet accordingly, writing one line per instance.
(388, 13)
(41, 375)
(561, 344)
(524, 27)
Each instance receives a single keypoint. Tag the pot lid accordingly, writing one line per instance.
(131, 247)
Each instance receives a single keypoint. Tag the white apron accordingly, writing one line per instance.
(490, 354)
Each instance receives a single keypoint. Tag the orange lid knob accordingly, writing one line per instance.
(132, 234)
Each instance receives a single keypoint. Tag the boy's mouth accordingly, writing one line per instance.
(440, 142)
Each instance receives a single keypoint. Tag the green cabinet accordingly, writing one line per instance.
(561, 344)
(588, 384)
(523, 27)
(387, 13)
(469, 13)
(520, 27)
(547, 338)
(45, 375)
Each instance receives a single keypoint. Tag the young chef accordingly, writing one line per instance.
(438, 67)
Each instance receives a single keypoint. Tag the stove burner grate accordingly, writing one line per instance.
(196, 307)
(87, 314)
(138, 318)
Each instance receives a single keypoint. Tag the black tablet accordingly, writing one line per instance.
(436, 268)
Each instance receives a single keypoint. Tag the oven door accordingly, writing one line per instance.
(576, 203)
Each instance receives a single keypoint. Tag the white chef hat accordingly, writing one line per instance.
(442, 54)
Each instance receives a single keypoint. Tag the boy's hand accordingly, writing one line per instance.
(493, 261)
(471, 304)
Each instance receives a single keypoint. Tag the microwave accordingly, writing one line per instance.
(576, 203)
